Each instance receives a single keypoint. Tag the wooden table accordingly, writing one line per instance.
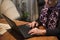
(14, 36)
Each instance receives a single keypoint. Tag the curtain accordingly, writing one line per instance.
(29, 6)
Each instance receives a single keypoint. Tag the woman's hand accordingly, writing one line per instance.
(33, 24)
(36, 31)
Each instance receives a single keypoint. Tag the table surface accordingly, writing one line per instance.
(13, 36)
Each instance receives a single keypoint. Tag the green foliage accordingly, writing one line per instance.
(25, 14)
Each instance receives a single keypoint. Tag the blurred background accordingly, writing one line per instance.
(27, 9)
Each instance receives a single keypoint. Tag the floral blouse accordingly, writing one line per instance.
(50, 19)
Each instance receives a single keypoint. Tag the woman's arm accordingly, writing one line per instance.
(55, 31)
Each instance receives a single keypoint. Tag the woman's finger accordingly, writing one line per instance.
(31, 31)
(32, 25)
(36, 24)
(29, 24)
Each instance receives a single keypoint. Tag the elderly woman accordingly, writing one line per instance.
(49, 18)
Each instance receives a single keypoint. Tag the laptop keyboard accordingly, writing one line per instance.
(24, 31)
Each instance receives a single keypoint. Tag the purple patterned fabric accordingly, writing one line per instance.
(52, 18)
(58, 4)
(43, 16)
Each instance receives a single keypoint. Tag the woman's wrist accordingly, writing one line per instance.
(42, 32)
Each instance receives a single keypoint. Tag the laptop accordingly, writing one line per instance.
(22, 29)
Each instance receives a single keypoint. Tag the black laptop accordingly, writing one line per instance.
(22, 29)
